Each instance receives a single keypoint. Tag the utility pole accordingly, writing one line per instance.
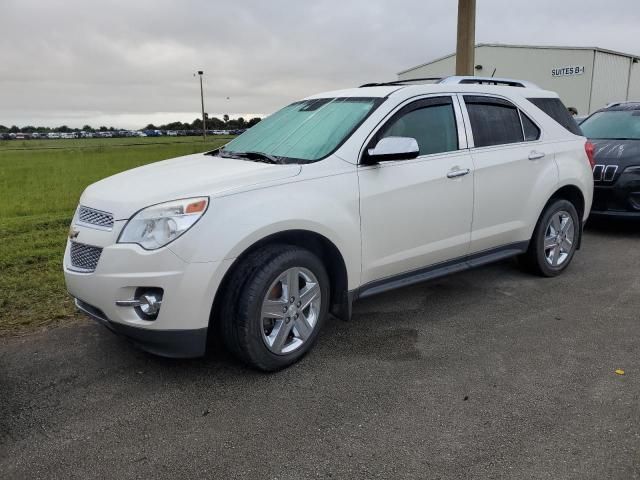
(204, 121)
(465, 51)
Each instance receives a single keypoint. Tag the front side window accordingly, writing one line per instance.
(305, 131)
(613, 125)
(493, 121)
(431, 122)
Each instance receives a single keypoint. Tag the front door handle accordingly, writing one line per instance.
(458, 172)
(536, 155)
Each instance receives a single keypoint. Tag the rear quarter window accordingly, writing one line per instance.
(556, 110)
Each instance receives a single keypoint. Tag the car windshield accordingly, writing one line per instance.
(305, 131)
(613, 124)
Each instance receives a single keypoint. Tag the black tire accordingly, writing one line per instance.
(535, 259)
(241, 322)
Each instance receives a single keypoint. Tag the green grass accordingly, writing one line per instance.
(40, 184)
(97, 142)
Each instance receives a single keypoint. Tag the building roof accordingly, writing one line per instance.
(506, 45)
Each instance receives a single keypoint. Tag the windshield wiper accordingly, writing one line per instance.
(258, 157)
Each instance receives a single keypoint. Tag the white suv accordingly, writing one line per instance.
(336, 197)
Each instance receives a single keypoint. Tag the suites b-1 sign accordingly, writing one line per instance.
(566, 71)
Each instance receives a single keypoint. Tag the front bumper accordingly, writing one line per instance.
(165, 343)
(180, 330)
(619, 199)
(619, 214)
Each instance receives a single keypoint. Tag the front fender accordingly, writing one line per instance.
(327, 206)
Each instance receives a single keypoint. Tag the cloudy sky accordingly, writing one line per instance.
(127, 63)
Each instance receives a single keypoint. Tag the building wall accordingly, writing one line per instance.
(610, 79)
(634, 84)
(533, 64)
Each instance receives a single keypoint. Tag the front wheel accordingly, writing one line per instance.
(554, 240)
(277, 302)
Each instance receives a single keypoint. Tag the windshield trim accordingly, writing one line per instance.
(376, 102)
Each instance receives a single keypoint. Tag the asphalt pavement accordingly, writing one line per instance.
(491, 373)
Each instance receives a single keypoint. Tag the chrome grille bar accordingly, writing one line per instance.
(91, 216)
(84, 258)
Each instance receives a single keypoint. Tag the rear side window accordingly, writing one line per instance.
(530, 129)
(493, 121)
(556, 110)
(431, 122)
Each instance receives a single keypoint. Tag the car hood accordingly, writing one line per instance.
(183, 177)
(623, 153)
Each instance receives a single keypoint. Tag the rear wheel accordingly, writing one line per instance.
(554, 240)
(277, 301)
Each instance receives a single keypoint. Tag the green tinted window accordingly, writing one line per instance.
(613, 124)
(307, 130)
(433, 127)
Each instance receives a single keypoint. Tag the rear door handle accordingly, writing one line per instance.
(536, 155)
(458, 172)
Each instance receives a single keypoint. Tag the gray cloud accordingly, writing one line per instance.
(122, 62)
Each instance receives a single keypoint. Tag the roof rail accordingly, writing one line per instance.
(402, 82)
(509, 82)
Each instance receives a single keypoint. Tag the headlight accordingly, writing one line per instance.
(156, 226)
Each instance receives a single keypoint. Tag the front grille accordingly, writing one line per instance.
(95, 217)
(604, 173)
(84, 257)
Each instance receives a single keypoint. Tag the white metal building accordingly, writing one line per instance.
(586, 78)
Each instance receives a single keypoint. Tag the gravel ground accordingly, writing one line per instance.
(486, 374)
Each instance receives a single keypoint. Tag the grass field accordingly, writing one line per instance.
(40, 184)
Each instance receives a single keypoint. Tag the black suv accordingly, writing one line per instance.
(615, 134)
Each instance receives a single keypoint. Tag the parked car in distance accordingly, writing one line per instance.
(615, 134)
(336, 197)
(53, 135)
(172, 133)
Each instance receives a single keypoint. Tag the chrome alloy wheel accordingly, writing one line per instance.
(290, 310)
(558, 238)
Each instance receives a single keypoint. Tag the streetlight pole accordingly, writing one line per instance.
(204, 121)
(465, 51)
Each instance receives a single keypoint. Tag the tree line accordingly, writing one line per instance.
(213, 123)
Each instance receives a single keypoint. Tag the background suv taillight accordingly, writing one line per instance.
(589, 149)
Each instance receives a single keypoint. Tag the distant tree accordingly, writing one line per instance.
(103, 128)
(28, 129)
(253, 121)
(3, 128)
(151, 126)
(63, 129)
(215, 123)
(87, 128)
(225, 117)
(14, 129)
(241, 123)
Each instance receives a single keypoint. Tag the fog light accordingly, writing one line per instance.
(150, 304)
(146, 302)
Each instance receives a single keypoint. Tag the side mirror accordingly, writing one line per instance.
(392, 148)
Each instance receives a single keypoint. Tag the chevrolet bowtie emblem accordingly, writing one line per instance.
(73, 233)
